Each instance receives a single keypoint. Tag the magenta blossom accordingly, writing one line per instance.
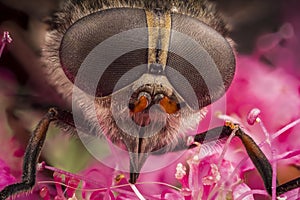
(5, 174)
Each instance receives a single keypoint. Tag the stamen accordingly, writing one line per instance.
(285, 128)
(137, 192)
(287, 155)
(214, 177)
(57, 197)
(237, 168)
(278, 133)
(234, 127)
(253, 116)
(192, 183)
(226, 117)
(115, 187)
(41, 166)
(180, 171)
(6, 39)
(58, 178)
(273, 160)
(267, 134)
(159, 183)
(73, 198)
(79, 177)
(73, 183)
(226, 146)
(44, 193)
(281, 198)
(251, 192)
(119, 177)
(87, 190)
(186, 192)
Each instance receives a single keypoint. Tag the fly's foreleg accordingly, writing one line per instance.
(33, 151)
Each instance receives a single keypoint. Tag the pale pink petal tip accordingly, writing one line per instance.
(6, 37)
(253, 116)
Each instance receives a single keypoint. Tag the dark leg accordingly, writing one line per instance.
(218, 133)
(263, 165)
(258, 158)
(293, 184)
(32, 154)
(256, 155)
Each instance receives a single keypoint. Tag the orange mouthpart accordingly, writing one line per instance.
(140, 105)
(169, 106)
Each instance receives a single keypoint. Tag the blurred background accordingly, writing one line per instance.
(25, 95)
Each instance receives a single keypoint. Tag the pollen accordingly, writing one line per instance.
(231, 125)
(119, 177)
(214, 176)
(180, 171)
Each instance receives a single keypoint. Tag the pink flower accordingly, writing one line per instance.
(211, 177)
(150, 184)
(6, 177)
(274, 90)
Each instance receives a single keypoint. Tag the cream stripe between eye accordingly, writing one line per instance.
(159, 31)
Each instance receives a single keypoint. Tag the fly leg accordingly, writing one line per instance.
(33, 151)
(258, 158)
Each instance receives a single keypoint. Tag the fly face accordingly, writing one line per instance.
(149, 71)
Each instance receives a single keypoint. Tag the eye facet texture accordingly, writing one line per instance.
(198, 56)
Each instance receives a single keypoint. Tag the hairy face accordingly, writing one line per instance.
(144, 71)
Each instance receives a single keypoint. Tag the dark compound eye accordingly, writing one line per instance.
(198, 56)
(206, 60)
(83, 36)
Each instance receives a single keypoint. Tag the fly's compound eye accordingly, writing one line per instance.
(114, 59)
(201, 58)
(121, 44)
